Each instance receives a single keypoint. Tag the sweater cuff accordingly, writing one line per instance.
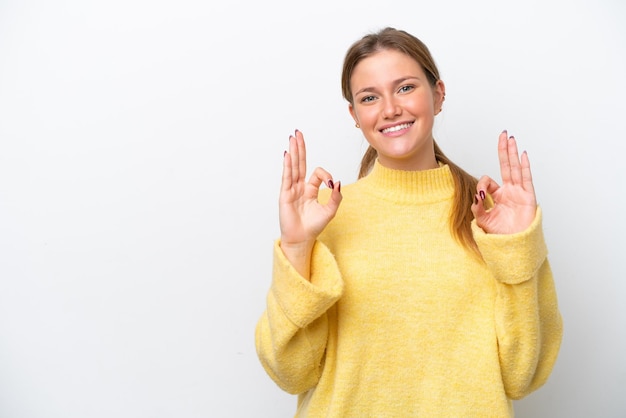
(301, 300)
(513, 258)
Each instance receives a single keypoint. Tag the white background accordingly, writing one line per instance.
(140, 152)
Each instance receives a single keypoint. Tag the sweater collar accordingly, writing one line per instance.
(421, 186)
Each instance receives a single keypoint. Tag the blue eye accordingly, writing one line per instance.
(405, 89)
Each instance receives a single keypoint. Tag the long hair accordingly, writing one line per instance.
(461, 214)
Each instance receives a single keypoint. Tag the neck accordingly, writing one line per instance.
(421, 159)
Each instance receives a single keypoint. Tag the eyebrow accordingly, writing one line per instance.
(395, 82)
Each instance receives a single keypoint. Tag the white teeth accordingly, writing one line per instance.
(396, 128)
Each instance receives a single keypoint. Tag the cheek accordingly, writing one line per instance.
(422, 104)
(368, 115)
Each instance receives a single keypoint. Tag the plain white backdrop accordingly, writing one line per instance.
(140, 154)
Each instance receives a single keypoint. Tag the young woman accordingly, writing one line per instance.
(418, 290)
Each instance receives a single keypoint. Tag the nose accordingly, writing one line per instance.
(391, 108)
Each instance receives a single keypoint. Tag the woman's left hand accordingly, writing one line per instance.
(514, 203)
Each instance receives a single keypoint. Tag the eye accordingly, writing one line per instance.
(406, 89)
(367, 99)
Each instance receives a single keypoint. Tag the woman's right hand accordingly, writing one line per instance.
(302, 217)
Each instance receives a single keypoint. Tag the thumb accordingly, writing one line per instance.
(478, 208)
(335, 198)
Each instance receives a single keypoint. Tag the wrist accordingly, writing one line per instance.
(299, 255)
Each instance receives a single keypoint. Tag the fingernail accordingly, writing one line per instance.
(330, 184)
(504, 131)
(482, 194)
(511, 137)
(339, 186)
(475, 200)
(284, 154)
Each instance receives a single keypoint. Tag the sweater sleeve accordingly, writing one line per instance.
(291, 334)
(529, 326)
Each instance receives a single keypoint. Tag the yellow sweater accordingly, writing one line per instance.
(399, 320)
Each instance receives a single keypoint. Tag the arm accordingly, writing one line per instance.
(510, 238)
(528, 322)
(291, 335)
(292, 332)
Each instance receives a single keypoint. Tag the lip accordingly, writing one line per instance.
(392, 125)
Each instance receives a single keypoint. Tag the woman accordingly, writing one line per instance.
(417, 290)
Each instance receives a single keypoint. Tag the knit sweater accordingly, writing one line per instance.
(399, 320)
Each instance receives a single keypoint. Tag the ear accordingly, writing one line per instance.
(439, 96)
(353, 113)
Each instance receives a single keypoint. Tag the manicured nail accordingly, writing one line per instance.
(339, 186)
(284, 154)
(330, 184)
(475, 200)
(511, 137)
(482, 194)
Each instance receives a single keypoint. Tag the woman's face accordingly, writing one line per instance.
(395, 106)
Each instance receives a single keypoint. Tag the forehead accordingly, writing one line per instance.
(386, 65)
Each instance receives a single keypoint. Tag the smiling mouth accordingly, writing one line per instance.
(396, 128)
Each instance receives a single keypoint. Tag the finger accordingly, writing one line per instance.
(503, 157)
(301, 153)
(287, 181)
(486, 185)
(320, 176)
(514, 162)
(294, 154)
(478, 209)
(527, 178)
